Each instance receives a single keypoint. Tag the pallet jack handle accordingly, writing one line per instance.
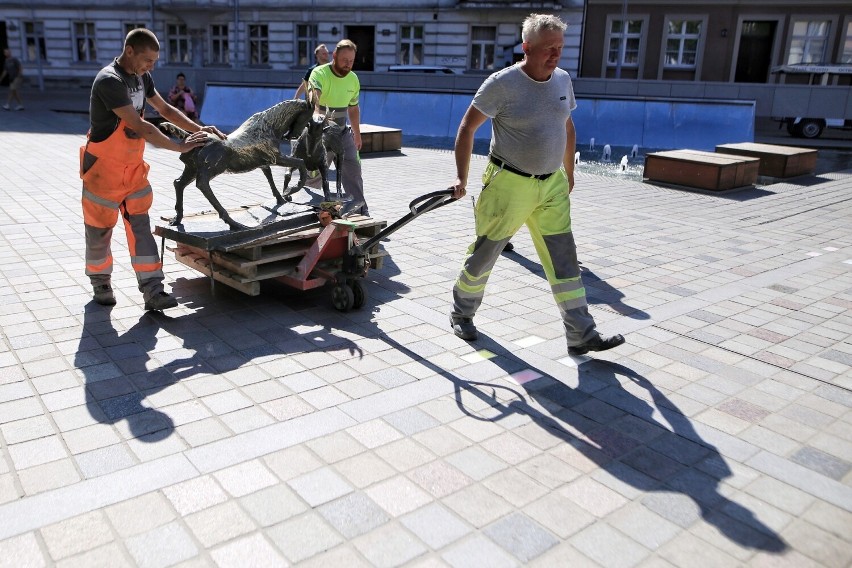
(418, 206)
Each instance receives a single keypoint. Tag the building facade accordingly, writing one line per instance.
(248, 39)
(732, 41)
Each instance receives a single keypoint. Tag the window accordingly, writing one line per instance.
(846, 56)
(84, 42)
(34, 39)
(258, 44)
(808, 42)
(482, 40)
(682, 43)
(411, 45)
(179, 43)
(130, 26)
(306, 41)
(219, 53)
(625, 40)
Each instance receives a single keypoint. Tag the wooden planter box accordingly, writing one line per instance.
(380, 138)
(701, 170)
(775, 161)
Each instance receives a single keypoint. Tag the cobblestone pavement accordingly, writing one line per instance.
(274, 430)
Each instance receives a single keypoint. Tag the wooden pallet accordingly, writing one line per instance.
(242, 261)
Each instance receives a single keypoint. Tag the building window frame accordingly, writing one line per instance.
(845, 55)
(130, 26)
(411, 44)
(306, 41)
(683, 36)
(219, 44)
(258, 45)
(179, 43)
(33, 32)
(84, 41)
(808, 39)
(482, 48)
(641, 36)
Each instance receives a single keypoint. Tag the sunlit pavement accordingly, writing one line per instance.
(275, 430)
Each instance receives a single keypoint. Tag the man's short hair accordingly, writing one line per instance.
(141, 39)
(179, 75)
(534, 24)
(346, 44)
(320, 47)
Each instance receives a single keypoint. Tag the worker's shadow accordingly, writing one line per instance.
(124, 368)
(642, 439)
(598, 291)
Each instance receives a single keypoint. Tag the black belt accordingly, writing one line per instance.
(501, 164)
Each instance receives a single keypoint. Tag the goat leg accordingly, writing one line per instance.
(180, 185)
(203, 183)
(267, 171)
(323, 169)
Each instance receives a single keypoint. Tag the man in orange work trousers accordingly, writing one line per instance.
(114, 174)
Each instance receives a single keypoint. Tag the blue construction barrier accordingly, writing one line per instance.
(699, 125)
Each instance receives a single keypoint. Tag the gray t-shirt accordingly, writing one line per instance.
(113, 88)
(527, 117)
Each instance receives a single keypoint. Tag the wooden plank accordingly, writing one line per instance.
(201, 264)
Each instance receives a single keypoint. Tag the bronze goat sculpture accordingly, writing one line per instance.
(320, 140)
(255, 144)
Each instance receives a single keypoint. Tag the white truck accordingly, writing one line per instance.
(813, 126)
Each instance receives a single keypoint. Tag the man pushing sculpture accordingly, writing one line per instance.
(114, 172)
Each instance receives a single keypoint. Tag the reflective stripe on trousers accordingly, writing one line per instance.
(115, 180)
(507, 202)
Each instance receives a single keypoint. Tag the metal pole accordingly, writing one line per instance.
(622, 43)
(236, 32)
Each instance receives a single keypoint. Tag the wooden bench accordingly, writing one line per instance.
(380, 138)
(775, 161)
(702, 170)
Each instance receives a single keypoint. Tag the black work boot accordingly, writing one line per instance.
(159, 302)
(103, 294)
(597, 343)
(464, 328)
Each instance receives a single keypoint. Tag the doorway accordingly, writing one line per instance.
(365, 40)
(754, 56)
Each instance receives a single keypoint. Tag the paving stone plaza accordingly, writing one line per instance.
(274, 430)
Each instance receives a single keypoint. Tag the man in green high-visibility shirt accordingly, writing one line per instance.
(335, 88)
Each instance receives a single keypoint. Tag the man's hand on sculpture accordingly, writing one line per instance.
(195, 140)
(215, 132)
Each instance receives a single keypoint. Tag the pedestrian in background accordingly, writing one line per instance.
(527, 181)
(320, 58)
(183, 98)
(13, 69)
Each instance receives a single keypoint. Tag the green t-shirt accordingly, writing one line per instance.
(337, 93)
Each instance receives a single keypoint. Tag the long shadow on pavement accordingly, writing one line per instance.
(597, 289)
(123, 369)
(647, 444)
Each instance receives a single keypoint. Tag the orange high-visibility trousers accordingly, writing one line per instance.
(115, 179)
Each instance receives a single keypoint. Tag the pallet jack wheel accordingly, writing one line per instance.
(342, 297)
(359, 292)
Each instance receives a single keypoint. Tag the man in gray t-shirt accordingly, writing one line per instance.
(527, 181)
